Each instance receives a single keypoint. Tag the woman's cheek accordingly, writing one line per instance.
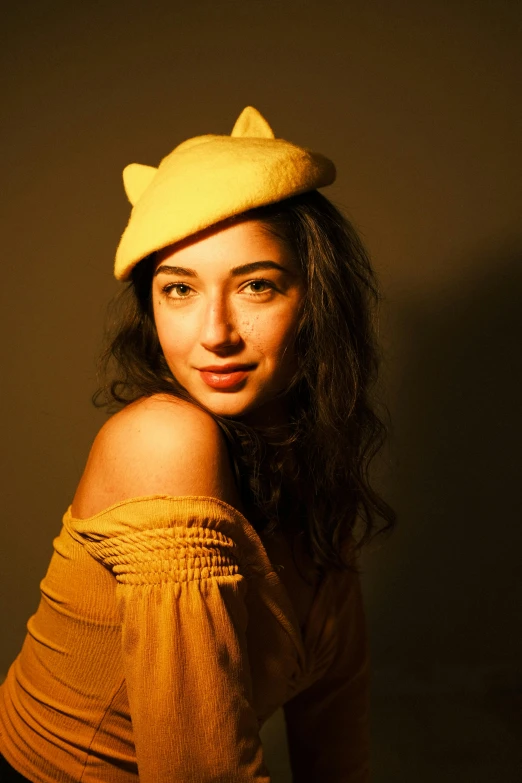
(282, 332)
(175, 335)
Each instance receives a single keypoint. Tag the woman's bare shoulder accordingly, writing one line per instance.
(157, 445)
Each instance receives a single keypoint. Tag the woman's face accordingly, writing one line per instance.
(226, 308)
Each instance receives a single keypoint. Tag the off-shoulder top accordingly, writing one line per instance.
(163, 640)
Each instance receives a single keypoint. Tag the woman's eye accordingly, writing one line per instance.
(260, 286)
(181, 290)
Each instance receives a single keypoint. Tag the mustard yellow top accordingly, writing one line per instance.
(162, 642)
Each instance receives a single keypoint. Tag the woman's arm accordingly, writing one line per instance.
(180, 593)
(181, 596)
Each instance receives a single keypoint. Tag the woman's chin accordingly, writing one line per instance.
(229, 405)
(245, 404)
(254, 412)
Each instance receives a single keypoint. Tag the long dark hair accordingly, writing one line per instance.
(334, 430)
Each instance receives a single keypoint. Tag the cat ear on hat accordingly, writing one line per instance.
(136, 180)
(251, 124)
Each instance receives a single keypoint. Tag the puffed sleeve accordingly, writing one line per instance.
(328, 722)
(181, 598)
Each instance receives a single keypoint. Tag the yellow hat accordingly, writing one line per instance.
(209, 178)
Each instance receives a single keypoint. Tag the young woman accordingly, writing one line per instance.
(206, 571)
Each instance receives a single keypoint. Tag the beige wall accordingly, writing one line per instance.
(419, 105)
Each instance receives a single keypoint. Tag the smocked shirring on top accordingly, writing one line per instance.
(180, 554)
(156, 512)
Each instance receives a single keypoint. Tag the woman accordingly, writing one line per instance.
(205, 574)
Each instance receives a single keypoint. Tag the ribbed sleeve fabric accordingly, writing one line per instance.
(181, 598)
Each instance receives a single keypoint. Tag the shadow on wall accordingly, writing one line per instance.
(444, 593)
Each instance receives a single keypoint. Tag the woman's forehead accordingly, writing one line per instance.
(227, 247)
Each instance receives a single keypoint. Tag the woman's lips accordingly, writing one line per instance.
(223, 380)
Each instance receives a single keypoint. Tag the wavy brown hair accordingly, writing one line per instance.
(323, 491)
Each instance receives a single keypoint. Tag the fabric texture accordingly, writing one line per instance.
(164, 639)
(209, 178)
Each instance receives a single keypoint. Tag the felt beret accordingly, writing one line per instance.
(209, 178)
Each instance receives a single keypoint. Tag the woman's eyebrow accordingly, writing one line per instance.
(244, 269)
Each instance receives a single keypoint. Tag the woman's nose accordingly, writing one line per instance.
(218, 329)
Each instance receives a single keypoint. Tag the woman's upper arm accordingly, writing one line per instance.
(156, 446)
